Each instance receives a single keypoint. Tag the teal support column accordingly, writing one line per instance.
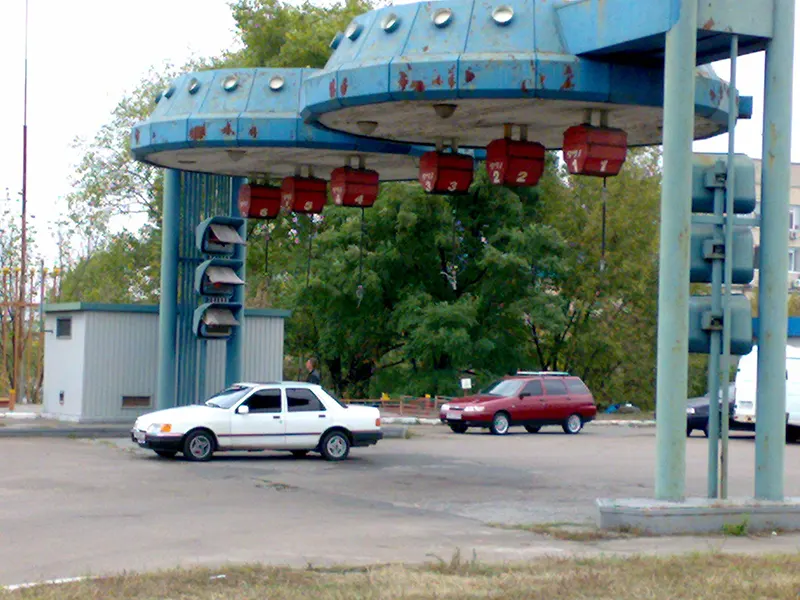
(673, 277)
(168, 304)
(235, 344)
(774, 256)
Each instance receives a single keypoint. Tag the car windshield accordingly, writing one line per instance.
(334, 398)
(507, 387)
(229, 397)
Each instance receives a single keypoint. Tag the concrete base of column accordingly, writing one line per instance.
(699, 515)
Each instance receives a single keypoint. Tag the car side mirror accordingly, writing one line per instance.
(523, 395)
(243, 410)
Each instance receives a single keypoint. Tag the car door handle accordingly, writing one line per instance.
(321, 416)
(276, 416)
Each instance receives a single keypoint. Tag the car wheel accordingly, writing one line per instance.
(572, 425)
(532, 428)
(500, 424)
(705, 431)
(459, 428)
(335, 446)
(689, 432)
(299, 453)
(166, 453)
(198, 446)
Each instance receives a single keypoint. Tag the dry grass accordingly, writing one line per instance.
(573, 532)
(699, 577)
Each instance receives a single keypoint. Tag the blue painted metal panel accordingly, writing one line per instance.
(481, 73)
(348, 50)
(220, 109)
(431, 54)
(278, 125)
(594, 25)
(560, 73)
(792, 327)
(367, 76)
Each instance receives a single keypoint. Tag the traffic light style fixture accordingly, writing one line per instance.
(219, 236)
(216, 321)
(710, 253)
(219, 277)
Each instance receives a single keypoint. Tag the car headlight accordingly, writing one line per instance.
(690, 411)
(475, 409)
(157, 428)
(445, 407)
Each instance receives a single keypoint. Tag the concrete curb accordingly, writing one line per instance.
(65, 432)
(18, 415)
(426, 421)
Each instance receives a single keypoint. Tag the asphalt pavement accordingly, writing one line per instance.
(72, 507)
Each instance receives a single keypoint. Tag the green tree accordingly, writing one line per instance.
(279, 34)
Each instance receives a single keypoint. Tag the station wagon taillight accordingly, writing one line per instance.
(378, 422)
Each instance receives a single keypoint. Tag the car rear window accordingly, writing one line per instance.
(577, 387)
(555, 387)
(303, 400)
(533, 388)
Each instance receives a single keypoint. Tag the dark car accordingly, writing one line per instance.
(530, 399)
(697, 415)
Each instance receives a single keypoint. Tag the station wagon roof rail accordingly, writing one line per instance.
(542, 373)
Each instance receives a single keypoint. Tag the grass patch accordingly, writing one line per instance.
(737, 529)
(573, 532)
(645, 415)
(696, 576)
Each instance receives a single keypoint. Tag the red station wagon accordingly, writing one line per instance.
(531, 399)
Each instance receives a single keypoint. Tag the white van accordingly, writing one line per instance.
(746, 377)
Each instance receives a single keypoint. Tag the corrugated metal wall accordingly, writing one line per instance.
(115, 354)
(121, 360)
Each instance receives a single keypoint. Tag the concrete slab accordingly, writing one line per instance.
(699, 515)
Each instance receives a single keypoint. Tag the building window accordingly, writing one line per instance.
(136, 402)
(794, 218)
(64, 328)
(792, 259)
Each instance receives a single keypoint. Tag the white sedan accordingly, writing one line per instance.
(293, 416)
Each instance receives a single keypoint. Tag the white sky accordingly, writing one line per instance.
(84, 55)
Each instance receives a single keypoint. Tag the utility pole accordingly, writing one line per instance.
(19, 314)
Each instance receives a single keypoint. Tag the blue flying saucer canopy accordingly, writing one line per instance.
(462, 69)
(245, 122)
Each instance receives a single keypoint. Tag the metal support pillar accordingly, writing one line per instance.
(673, 292)
(168, 304)
(714, 357)
(773, 267)
(235, 344)
(730, 187)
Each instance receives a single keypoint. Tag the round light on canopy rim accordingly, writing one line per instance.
(230, 83)
(353, 31)
(390, 22)
(276, 83)
(442, 17)
(502, 15)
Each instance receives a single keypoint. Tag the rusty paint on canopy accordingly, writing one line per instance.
(197, 133)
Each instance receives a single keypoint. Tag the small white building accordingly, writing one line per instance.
(101, 360)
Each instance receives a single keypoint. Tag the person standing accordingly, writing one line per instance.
(313, 372)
